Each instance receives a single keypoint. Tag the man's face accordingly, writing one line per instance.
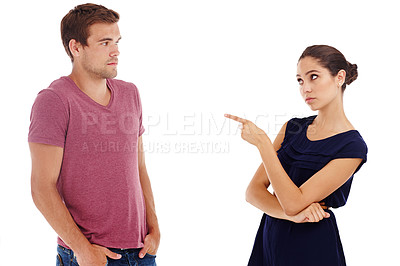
(100, 57)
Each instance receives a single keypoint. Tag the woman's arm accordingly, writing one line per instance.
(293, 199)
(257, 194)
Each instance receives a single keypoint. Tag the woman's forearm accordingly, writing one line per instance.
(290, 197)
(288, 194)
(261, 198)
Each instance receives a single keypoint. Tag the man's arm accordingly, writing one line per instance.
(152, 239)
(46, 165)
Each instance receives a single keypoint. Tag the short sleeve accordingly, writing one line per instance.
(48, 120)
(355, 149)
(139, 108)
(293, 127)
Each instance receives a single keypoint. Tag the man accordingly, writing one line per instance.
(89, 177)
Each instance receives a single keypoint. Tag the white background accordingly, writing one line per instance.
(193, 61)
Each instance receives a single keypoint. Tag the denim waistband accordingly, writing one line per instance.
(115, 250)
(125, 250)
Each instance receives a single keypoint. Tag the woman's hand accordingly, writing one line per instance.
(312, 214)
(250, 132)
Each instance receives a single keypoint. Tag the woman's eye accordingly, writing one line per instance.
(300, 81)
(313, 76)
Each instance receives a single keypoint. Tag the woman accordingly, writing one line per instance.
(310, 166)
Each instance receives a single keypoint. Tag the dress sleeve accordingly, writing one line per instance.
(355, 149)
(48, 120)
(293, 127)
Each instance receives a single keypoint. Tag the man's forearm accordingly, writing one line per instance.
(48, 201)
(151, 217)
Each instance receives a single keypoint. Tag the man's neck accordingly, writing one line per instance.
(92, 86)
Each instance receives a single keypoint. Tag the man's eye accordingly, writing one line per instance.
(104, 43)
(314, 76)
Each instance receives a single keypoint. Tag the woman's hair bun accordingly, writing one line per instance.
(351, 73)
(333, 60)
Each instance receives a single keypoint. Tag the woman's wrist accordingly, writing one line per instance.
(263, 142)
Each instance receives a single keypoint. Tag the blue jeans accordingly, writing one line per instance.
(130, 257)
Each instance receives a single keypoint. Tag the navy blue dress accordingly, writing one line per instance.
(284, 243)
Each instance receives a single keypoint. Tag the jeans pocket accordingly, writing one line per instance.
(150, 255)
(149, 260)
(74, 261)
(59, 261)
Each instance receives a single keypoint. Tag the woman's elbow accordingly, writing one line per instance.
(290, 212)
(291, 209)
(249, 194)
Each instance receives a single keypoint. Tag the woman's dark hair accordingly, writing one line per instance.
(75, 25)
(333, 60)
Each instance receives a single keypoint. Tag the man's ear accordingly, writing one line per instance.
(75, 47)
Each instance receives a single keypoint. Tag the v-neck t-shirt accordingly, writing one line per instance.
(99, 177)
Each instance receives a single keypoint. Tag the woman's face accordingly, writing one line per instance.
(317, 86)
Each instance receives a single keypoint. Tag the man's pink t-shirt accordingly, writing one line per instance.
(99, 178)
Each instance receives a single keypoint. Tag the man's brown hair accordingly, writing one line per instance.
(75, 25)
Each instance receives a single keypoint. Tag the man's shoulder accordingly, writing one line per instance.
(60, 83)
(56, 90)
(121, 83)
(128, 89)
(61, 87)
